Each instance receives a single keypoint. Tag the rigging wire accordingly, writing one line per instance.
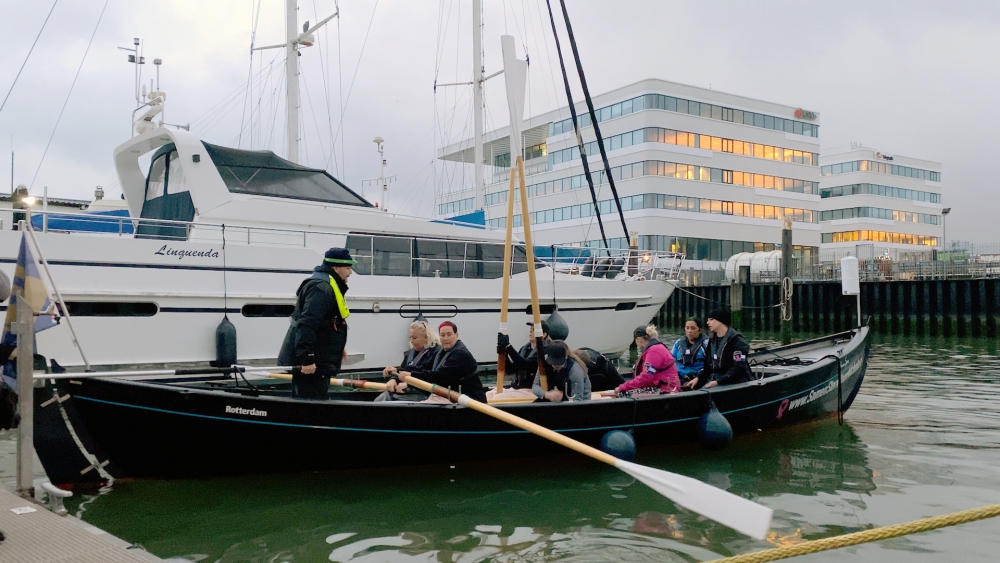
(35, 42)
(593, 118)
(319, 136)
(324, 62)
(356, 68)
(340, 88)
(576, 129)
(68, 94)
(253, 37)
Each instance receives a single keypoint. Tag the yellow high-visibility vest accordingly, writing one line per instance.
(341, 303)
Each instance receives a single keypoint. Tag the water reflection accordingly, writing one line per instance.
(920, 440)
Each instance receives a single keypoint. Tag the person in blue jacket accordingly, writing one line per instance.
(689, 352)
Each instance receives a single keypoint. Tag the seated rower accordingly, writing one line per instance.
(725, 354)
(601, 371)
(565, 374)
(522, 365)
(423, 347)
(453, 367)
(689, 351)
(656, 370)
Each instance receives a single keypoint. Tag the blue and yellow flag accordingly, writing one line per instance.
(28, 284)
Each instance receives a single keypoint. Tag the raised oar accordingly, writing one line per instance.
(736, 512)
(359, 383)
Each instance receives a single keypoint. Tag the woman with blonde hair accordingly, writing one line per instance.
(656, 370)
(424, 346)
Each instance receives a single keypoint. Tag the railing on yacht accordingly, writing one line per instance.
(377, 254)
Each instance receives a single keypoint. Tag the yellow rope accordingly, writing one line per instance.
(875, 534)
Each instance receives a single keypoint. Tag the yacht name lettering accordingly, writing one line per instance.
(181, 254)
(241, 410)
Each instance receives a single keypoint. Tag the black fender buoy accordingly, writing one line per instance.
(714, 431)
(620, 444)
(225, 344)
(558, 327)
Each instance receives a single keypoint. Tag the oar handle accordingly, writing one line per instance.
(513, 420)
(359, 383)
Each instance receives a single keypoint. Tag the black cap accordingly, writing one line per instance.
(722, 315)
(339, 257)
(545, 326)
(555, 353)
(640, 332)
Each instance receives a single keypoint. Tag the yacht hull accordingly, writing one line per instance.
(150, 302)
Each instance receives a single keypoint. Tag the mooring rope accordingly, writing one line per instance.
(866, 536)
(679, 288)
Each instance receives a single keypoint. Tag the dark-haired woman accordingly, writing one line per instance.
(689, 351)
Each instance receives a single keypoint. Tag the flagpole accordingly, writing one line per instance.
(25, 330)
(65, 309)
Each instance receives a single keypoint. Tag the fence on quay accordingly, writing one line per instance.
(958, 294)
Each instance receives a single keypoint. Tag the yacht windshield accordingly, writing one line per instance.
(265, 173)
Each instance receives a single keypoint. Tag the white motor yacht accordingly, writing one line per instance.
(215, 231)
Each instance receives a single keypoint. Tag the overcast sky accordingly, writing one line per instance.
(909, 77)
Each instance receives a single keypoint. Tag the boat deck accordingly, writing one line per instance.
(44, 537)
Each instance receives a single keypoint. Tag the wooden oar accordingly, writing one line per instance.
(359, 383)
(505, 291)
(529, 252)
(734, 511)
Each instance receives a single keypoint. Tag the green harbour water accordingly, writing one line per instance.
(922, 439)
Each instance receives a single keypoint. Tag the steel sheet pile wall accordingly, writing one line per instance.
(909, 308)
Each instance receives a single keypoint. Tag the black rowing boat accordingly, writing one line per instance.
(174, 428)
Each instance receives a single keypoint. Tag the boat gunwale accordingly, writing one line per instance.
(860, 336)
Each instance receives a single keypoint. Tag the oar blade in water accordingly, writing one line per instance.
(738, 513)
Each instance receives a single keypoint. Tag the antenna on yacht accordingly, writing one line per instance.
(153, 99)
(293, 39)
(382, 180)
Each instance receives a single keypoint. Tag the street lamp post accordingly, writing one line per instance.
(944, 227)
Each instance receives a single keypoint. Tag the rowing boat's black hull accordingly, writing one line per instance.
(156, 430)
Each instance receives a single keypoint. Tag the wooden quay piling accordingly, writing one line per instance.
(937, 308)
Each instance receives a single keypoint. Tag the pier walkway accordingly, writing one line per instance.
(44, 537)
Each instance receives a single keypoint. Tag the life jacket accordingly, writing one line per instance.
(640, 363)
(559, 379)
(341, 302)
(690, 352)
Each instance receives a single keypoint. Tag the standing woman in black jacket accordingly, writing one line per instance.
(316, 341)
(453, 367)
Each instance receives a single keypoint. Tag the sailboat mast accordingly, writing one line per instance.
(477, 98)
(292, 78)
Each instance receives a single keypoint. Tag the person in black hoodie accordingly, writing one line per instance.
(523, 363)
(725, 354)
(316, 341)
(453, 367)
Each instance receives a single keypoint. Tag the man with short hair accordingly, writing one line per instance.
(725, 354)
(316, 341)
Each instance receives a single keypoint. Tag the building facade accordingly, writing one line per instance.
(889, 203)
(697, 171)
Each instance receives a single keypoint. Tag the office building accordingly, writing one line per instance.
(886, 202)
(697, 171)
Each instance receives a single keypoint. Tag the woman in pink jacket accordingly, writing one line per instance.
(656, 370)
